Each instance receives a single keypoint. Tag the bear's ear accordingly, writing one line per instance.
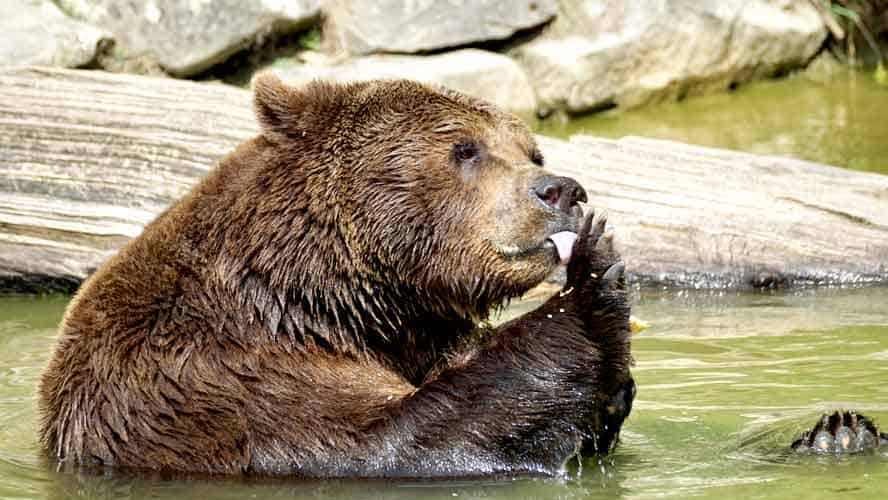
(276, 106)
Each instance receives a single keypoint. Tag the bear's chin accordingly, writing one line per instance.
(555, 249)
(526, 268)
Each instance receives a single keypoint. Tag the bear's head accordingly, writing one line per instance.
(397, 188)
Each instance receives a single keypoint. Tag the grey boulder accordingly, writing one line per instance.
(186, 38)
(366, 26)
(483, 74)
(37, 32)
(605, 53)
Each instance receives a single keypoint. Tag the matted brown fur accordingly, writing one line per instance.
(310, 308)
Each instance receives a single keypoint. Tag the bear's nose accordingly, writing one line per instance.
(560, 193)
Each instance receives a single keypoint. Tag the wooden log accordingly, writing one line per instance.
(702, 217)
(87, 158)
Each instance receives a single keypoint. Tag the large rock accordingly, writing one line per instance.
(604, 53)
(87, 158)
(366, 26)
(37, 32)
(487, 75)
(187, 37)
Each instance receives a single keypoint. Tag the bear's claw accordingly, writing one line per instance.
(594, 257)
(605, 244)
(613, 276)
(840, 433)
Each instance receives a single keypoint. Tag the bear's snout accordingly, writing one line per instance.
(559, 193)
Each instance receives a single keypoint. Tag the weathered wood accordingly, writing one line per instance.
(87, 158)
(702, 217)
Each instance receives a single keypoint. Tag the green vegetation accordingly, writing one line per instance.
(853, 21)
(310, 40)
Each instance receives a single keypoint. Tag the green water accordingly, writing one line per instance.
(726, 381)
(841, 120)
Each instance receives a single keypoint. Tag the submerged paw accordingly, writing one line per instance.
(841, 433)
(612, 415)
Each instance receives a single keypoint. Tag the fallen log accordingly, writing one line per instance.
(87, 158)
(707, 218)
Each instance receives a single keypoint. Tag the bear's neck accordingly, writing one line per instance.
(289, 272)
(356, 319)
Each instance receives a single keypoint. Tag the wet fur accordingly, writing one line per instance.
(841, 432)
(310, 308)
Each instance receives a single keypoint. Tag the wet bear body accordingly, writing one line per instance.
(312, 307)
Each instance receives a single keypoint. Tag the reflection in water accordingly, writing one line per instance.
(726, 381)
(82, 486)
(841, 121)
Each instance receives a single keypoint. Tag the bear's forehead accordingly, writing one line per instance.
(409, 95)
(448, 114)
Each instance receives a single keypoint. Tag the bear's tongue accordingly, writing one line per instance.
(564, 242)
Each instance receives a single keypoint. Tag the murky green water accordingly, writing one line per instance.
(840, 121)
(725, 380)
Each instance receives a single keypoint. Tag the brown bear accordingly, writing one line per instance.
(315, 306)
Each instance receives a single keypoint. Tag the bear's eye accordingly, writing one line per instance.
(466, 151)
(536, 157)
